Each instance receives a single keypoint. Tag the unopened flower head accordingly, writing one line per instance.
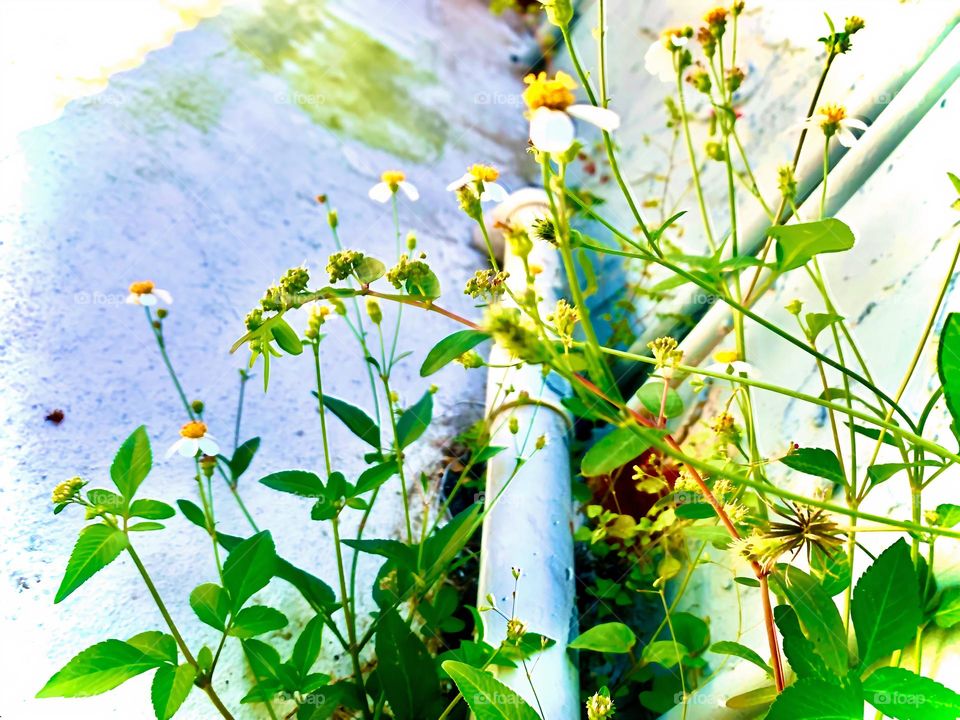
(853, 24)
(551, 105)
(144, 292)
(414, 272)
(666, 352)
(486, 284)
(599, 707)
(723, 423)
(516, 629)
(374, 311)
(564, 319)
(734, 79)
(514, 332)
(318, 316)
(700, 79)
(294, 280)
(787, 182)
(67, 490)
(716, 20)
(470, 359)
(342, 264)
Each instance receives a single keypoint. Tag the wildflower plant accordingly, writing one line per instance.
(660, 499)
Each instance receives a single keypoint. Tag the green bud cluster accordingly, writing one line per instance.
(486, 284)
(342, 264)
(406, 270)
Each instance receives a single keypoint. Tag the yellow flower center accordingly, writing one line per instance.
(555, 93)
(393, 177)
(717, 16)
(194, 430)
(832, 114)
(142, 287)
(672, 38)
(726, 356)
(484, 173)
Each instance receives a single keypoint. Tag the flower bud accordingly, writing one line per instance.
(197, 406)
(162, 313)
(373, 310)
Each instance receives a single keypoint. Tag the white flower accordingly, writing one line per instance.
(659, 58)
(481, 175)
(833, 120)
(194, 439)
(727, 362)
(551, 103)
(144, 292)
(390, 182)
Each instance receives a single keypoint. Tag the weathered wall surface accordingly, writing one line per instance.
(198, 170)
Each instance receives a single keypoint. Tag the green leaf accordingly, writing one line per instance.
(833, 570)
(948, 364)
(423, 285)
(264, 659)
(356, 420)
(886, 604)
(295, 482)
(728, 647)
(883, 472)
(107, 499)
(211, 604)
(375, 476)
(132, 463)
(611, 637)
(813, 699)
(97, 547)
(815, 461)
(903, 695)
(242, 457)
(256, 620)
(99, 668)
(171, 686)
(308, 645)
(286, 336)
(613, 451)
(664, 652)
(369, 270)
(948, 515)
(401, 553)
(406, 669)
(158, 645)
(415, 420)
(798, 243)
(651, 395)
(450, 348)
(249, 568)
(695, 511)
(145, 527)
(487, 697)
(151, 510)
(819, 615)
(800, 653)
(818, 322)
(192, 513)
(948, 611)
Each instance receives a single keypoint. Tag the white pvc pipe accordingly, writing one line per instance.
(530, 527)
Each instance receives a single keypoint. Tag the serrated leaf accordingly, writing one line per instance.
(611, 637)
(256, 620)
(487, 697)
(613, 451)
(151, 510)
(132, 463)
(415, 420)
(819, 615)
(249, 568)
(728, 647)
(97, 547)
(948, 611)
(815, 461)
(97, 669)
(881, 473)
(158, 645)
(171, 686)
(651, 396)
(904, 695)
(886, 604)
(799, 651)
(211, 604)
(407, 672)
(798, 243)
(813, 699)
(356, 420)
(295, 482)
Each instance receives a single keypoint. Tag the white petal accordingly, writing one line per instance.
(854, 123)
(175, 447)
(380, 192)
(133, 299)
(163, 295)
(410, 191)
(601, 117)
(845, 137)
(208, 446)
(148, 300)
(551, 130)
(189, 447)
(460, 182)
(659, 62)
(493, 192)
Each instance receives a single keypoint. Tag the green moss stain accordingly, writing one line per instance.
(343, 78)
(192, 98)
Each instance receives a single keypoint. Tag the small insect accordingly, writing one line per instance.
(55, 416)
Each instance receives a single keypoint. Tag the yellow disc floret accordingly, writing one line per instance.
(831, 116)
(484, 173)
(717, 16)
(194, 430)
(555, 93)
(726, 356)
(142, 287)
(393, 177)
